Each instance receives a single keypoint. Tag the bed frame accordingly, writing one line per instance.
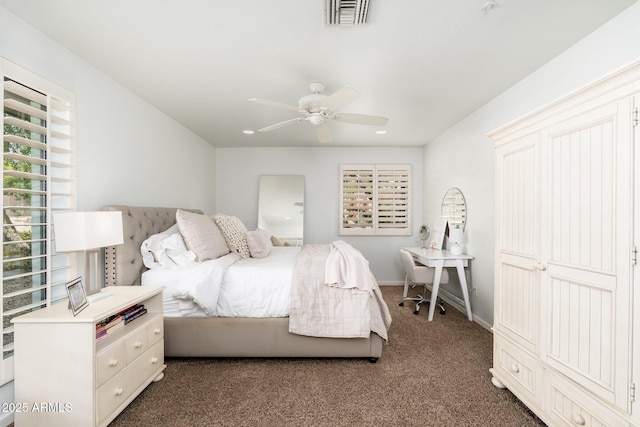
(218, 336)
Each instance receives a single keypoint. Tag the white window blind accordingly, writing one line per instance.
(375, 200)
(39, 177)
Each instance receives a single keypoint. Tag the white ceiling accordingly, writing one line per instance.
(424, 64)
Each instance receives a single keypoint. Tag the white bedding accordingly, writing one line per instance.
(259, 287)
(228, 286)
(169, 278)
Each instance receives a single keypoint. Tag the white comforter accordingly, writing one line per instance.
(228, 286)
(326, 290)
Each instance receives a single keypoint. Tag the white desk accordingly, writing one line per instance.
(439, 259)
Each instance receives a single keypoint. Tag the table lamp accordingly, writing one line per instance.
(88, 232)
(456, 236)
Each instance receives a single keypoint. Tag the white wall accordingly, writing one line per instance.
(611, 47)
(116, 130)
(128, 151)
(237, 175)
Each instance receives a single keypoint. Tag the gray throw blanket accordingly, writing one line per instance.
(320, 310)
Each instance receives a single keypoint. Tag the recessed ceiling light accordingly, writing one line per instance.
(248, 132)
(381, 132)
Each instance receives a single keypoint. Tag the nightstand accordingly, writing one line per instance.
(64, 376)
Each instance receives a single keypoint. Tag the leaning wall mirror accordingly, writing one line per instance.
(281, 207)
(454, 208)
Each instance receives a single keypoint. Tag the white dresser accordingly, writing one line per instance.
(565, 261)
(64, 377)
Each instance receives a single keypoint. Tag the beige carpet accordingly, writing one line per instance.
(430, 374)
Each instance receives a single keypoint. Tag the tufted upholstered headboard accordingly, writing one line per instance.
(123, 263)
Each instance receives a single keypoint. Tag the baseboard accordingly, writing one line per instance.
(457, 303)
(483, 323)
(391, 283)
(451, 299)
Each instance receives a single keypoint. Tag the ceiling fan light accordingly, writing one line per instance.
(311, 103)
(318, 108)
(316, 119)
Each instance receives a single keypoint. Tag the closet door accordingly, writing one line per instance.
(587, 295)
(635, 256)
(517, 291)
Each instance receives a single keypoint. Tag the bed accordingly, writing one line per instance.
(215, 336)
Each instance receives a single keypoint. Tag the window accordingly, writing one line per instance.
(375, 200)
(38, 179)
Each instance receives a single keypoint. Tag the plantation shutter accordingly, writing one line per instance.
(375, 200)
(38, 179)
(358, 199)
(393, 199)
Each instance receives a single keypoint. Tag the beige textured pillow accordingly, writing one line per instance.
(259, 243)
(235, 233)
(201, 235)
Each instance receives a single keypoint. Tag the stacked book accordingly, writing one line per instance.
(133, 313)
(113, 323)
(108, 326)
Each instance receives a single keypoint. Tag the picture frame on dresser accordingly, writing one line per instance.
(77, 295)
(439, 230)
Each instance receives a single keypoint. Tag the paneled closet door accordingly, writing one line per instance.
(587, 295)
(635, 411)
(517, 298)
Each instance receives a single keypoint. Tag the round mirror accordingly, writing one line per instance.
(454, 208)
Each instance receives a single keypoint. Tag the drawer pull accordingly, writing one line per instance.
(113, 362)
(137, 344)
(119, 391)
(156, 331)
(154, 360)
(578, 419)
(515, 368)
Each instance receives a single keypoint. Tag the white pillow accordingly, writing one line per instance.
(235, 233)
(201, 235)
(166, 249)
(259, 243)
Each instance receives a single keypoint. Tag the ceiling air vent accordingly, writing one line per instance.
(346, 12)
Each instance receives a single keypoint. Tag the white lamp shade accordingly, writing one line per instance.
(456, 235)
(78, 231)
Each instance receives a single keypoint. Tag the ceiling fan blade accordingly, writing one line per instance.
(323, 132)
(340, 98)
(361, 119)
(281, 124)
(275, 104)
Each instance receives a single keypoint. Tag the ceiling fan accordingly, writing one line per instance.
(317, 109)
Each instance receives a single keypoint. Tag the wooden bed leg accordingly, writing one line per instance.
(373, 359)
